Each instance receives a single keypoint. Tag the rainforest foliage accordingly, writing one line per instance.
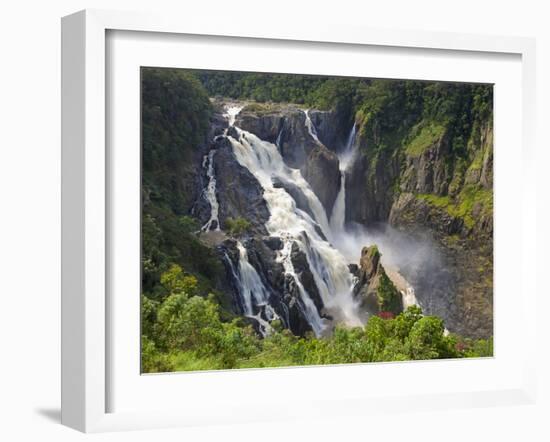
(175, 121)
(183, 330)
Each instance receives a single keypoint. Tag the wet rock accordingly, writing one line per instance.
(368, 264)
(242, 193)
(332, 127)
(232, 132)
(322, 172)
(301, 268)
(375, 290)
(264, 260)
(297, 322)
(273, 242)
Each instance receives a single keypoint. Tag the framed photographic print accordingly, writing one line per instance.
(248, 216)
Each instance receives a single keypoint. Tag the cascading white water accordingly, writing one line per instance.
(346, 157)
(311, 127)
(252, 291)
(208, 164)
(328, 266)
(309, 309)
(231, 113)
(278, 140)
(409, 298)
(210, 192)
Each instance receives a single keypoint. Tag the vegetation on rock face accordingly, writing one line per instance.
(237, 226)
(426, 136)
(389, 298)
(472, 203)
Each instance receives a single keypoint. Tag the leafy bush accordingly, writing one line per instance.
(186, 332)
(237, 226)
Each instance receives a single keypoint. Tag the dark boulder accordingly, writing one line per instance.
(264, 260)
(273, 242)
(332, 127)
(354, 269)
(375, 290)
(242, 193)
(322, 172)
(232, 132)
(302, 270)
(297, 322)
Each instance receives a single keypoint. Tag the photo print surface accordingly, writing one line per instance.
(292, 220)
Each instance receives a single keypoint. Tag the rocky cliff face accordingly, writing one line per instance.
(426, 189)
(375, 290)
(321, 171)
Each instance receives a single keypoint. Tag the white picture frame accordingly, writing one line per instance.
(86, 315)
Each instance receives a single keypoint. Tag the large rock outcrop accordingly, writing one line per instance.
(242, 194)
(376, 291)
(321, 171)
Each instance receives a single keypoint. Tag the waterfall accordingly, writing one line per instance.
(308, 307)
(328, 266)
(231, 113)
(208, 163)
(311, 127)
(278, 140)
(253, 293)
(346, 157)
(350, 242)
(210, 192)
(409, 297)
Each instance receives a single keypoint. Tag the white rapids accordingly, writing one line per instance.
(328, 266)
(210, 193)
